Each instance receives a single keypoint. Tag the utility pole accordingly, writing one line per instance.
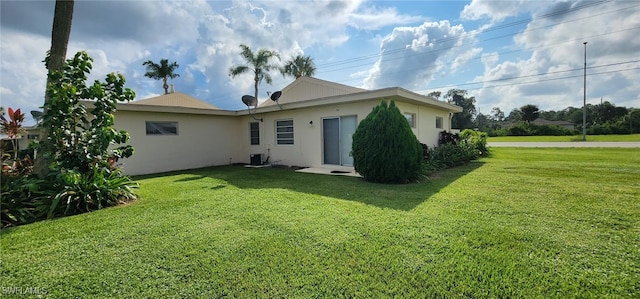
(584, 99)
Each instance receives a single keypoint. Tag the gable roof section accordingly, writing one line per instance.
(307, 88)
(175, 99)
(391, 93)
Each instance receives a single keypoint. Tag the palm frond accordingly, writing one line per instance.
(235, 71)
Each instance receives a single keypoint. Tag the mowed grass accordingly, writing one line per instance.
(534, 223)
(593, 138)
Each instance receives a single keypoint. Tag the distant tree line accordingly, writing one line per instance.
(601, 119)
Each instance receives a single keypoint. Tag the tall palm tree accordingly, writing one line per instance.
(163, 71)
(299, 66)
(256, 62)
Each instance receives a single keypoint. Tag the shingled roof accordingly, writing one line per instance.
(175, 99)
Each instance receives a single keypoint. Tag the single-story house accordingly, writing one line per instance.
(561, 123)
(311, 125)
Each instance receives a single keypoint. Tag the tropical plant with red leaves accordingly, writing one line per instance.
(12, 127)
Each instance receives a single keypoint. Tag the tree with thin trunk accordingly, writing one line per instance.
(299, 66)
(530, 113)
(164, 71)
(435, 94)
(54, 62)
(259, 63)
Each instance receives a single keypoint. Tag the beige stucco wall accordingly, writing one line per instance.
(425, 129)
(202, 140)
(307, 148)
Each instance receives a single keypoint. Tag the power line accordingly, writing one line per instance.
(493, 38)
(494, 28)
(473, 33)
(528, 82)
(498, 54)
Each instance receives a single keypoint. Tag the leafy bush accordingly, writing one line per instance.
(450, 155)
(73, 140)
(519, 129)
(82, 149)
(89, 191)
(470, 145)
(613, 127)
(476, 140)
(448, 138)
(19, 198)
(385, 150)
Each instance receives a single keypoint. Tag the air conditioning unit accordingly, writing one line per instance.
(256, 159)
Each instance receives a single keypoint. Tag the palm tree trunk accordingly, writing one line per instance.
(165, 86)
(60, 32)
(256, 91)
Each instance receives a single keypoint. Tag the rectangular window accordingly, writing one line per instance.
(438, 122)
(284, 131)
(162, 128)
(411, 118)
(254, 132)
(32, 136)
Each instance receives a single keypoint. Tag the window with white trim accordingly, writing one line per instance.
(254, 133)
(439, 121)
(284, 132)
(411, 118)
(161, 127)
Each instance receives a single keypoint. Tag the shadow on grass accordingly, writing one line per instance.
(403, 197)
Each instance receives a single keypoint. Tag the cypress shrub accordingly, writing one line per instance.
(385, 150)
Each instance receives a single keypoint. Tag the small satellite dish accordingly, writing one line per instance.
(249, 100)
(37, 115)
(275, 96)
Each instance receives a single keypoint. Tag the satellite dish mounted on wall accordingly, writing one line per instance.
(275, 96)
(250, 101)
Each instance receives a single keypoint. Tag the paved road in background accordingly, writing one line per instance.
(564, 144)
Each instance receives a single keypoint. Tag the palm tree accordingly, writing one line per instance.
(299, 66)
(163, 71)
(258, 63)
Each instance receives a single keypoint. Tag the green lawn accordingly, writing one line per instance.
(534, 223)
(600, 138)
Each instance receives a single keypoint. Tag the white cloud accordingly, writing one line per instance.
(464, 58)
(411, 56)
(498, 10)
(203, 37)
(562, 49)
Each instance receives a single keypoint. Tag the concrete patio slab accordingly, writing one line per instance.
(331, 170)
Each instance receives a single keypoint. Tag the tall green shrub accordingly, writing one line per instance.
(385, 150)
(77, 139)
(81, 145)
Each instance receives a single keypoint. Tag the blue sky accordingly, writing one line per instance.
(505, 53)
